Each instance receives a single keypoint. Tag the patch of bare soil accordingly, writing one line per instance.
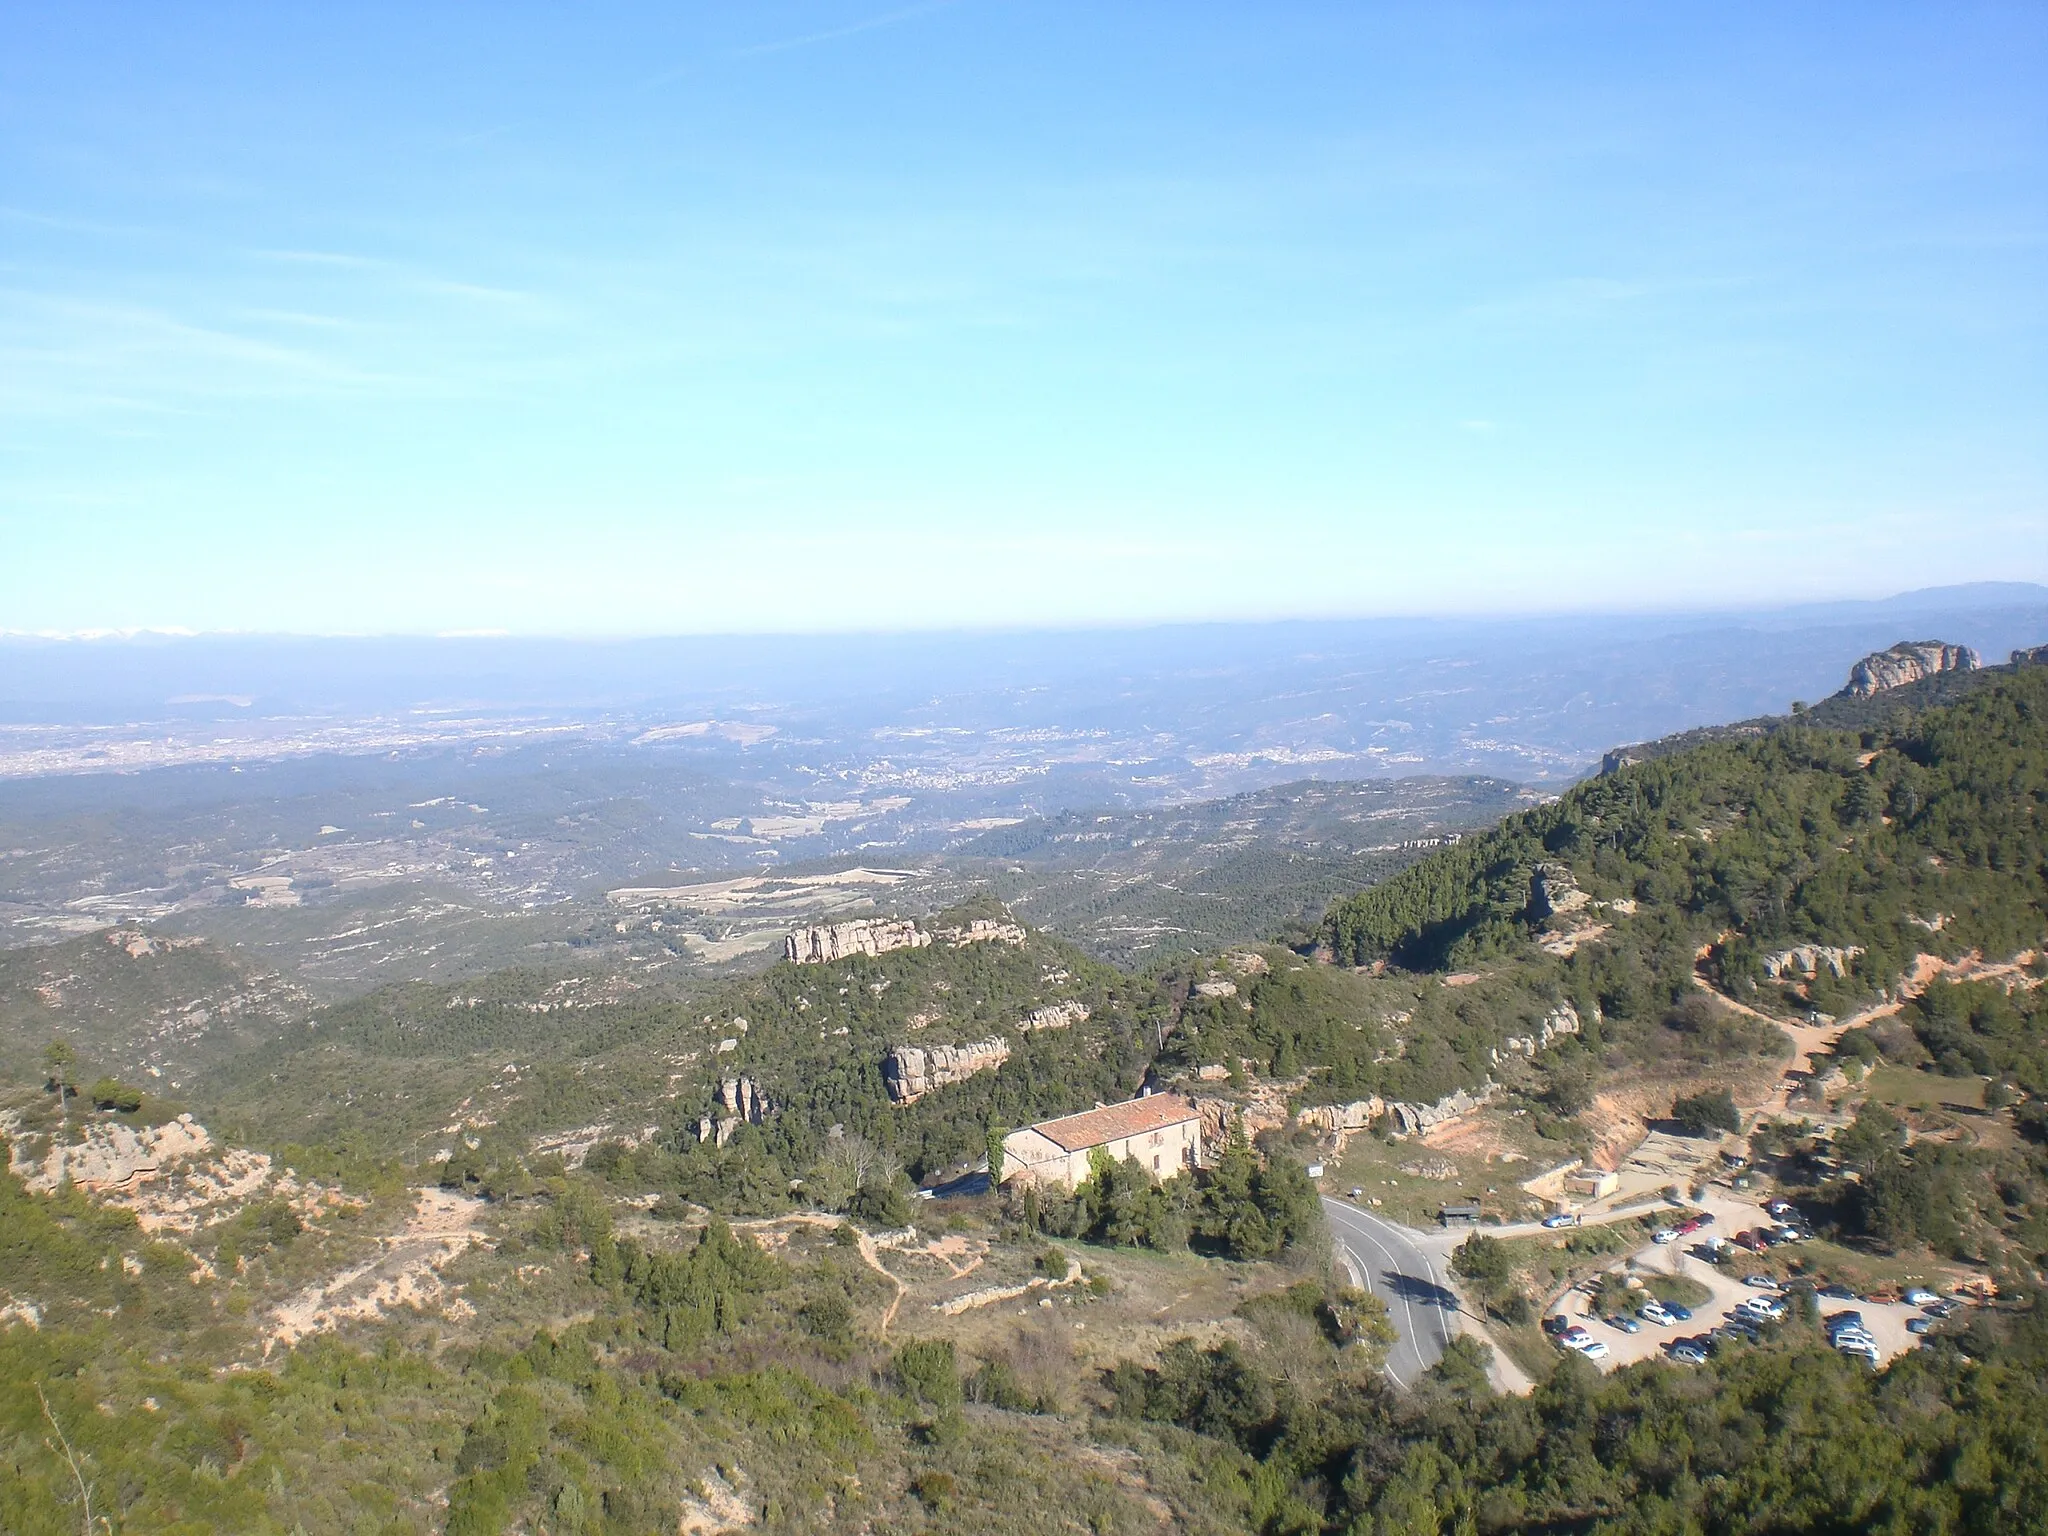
(1471, 1136)
(715, 1508)
(406, 1272)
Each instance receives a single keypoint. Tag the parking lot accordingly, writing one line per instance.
(1886, 1322)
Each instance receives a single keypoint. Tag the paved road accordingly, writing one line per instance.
(1409, 1279)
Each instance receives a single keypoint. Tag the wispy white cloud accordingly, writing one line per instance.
(833, 34)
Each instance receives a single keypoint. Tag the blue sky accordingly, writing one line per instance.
(635, 319)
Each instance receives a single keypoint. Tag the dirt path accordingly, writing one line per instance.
(865, 1243)
(1811, 1040)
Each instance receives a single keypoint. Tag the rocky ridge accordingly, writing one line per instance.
(827, 942)
(1907, 662)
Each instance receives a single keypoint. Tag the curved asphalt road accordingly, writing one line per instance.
(1405, 1277)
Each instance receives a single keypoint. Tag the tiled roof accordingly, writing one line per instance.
(1093, 1127)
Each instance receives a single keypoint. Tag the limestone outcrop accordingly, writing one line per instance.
(1554, 891)
(1414, 1119)
(1355, 1116)
(740, 1102)
(1907, 662)
(864, 936)
(114, 1157)
(1561, 1020)
(1219, 1116)
(911, 1071)
(2035, 656)
(984, 930)
(1807, 959)
(1054, 1016)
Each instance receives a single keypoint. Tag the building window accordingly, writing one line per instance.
(1155, 1163)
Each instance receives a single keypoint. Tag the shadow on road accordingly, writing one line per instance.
(1421, 1293)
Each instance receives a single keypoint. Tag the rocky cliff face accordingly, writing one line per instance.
(909, 1071)
(2037, 656)
(1907, 662)
(866, 936)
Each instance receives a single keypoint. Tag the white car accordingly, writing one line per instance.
(1592, 1349)
(1920, 1296)
(1653, 1312)
(1763, 1306)
(1664, 1235)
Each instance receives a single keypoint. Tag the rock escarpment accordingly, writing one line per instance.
(1907, 662)
(1414, 1119)
(1054, 1016)
(740, 1102)
(1807, 959)
(865, 936)
(910, 1071)
(984, 930)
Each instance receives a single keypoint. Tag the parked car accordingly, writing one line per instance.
(1592, 1349)
(1664, 1235)
(1837, 1293)
(1842, 1319)
(1884, 1298)
(1654, 1312)
(1687, 1353)
(1920, 1296)
(1761, 1282)
(1625, 1323)
(1944, 1308)
(1704, 1219)
(1683, 1314)
(1575, 1336)
(1919, 1325)
(1763, 1307)
(1561, 1219)
(1779, 1208)
(1866, 1348)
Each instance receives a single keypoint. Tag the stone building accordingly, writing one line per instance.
(1163, 1132)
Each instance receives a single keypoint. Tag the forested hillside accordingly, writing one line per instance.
(1924, 837)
